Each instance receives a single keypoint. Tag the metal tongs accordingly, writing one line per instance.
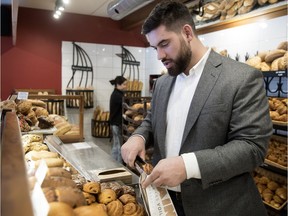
(140, 165)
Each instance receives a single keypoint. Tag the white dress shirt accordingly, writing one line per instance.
(177, 111)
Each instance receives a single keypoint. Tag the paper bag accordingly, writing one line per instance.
(157, 201)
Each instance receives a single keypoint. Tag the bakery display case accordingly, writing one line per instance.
(74, 176)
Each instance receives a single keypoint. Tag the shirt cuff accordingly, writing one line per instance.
(138, 135)
(191, 165)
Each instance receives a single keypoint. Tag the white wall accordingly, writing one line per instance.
(260, 36)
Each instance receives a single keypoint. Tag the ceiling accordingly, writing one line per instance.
(85, 7)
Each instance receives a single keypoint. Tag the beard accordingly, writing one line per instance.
(182, 60)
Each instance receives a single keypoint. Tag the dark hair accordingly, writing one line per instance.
(172, 14)
(119, 80)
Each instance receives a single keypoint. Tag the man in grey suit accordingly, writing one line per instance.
(209, 122)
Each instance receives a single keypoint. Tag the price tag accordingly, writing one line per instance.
(41, 171)
(39, 201)
(81, 145)
(22, 95)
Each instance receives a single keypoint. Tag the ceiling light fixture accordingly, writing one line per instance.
(59, 8)
(117, 9)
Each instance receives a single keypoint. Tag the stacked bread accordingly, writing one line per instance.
(100, 127)
(277, 152)
(272, 192)
(136, 114)
(278, 109)
(272, 60)
(134, 85)
(63, 127)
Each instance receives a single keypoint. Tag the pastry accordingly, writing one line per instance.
(128, 190)
(60, 209)
(91, 210)
(132, 209)
(106, 196)
(90, 198)
(115, 208)
(92, 187)
(51, 162)
(114, 186)
(127, 198)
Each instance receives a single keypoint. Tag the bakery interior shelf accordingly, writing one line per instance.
(267, 12)
(15, 194)
(67, 138)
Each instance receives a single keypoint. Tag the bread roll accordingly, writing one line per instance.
(60, 209)
(91, 210)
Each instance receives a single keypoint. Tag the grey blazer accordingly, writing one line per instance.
(228, 127)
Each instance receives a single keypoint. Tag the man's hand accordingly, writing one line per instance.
(168, 172)
(134, 146)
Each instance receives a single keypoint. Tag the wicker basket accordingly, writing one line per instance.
(88, 96)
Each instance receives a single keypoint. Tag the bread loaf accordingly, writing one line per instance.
(37, 155)
(51, 162)
(59, 171)
(57, 181)
(62, 130)
(274, 54)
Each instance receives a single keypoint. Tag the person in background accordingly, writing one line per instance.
(115, 120)
(209, 119)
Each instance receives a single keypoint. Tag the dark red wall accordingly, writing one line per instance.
(35, 61)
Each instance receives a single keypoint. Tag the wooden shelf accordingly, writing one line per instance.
(260, 14)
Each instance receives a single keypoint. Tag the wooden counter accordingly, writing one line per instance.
(15, 195)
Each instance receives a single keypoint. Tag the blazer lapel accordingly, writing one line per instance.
(206, 83)
(162, 112)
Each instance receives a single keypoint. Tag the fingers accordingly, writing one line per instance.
(154, 178)
(133, 147)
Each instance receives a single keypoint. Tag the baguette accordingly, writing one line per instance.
(62, 130)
